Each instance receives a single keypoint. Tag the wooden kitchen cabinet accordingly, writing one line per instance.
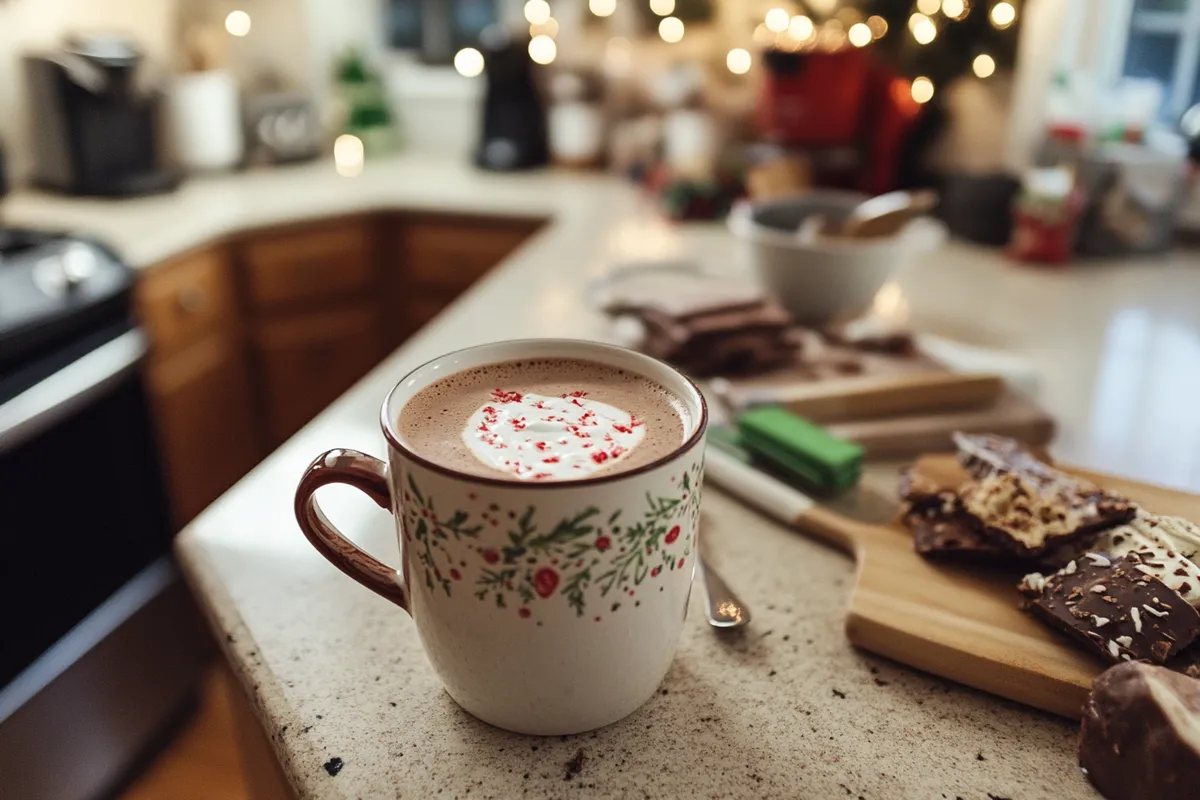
(305, 362)
(254, 336)
(430, 259)
(197, 379)
(205, 413)
(308, 264)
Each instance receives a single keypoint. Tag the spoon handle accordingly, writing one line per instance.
(724, 608)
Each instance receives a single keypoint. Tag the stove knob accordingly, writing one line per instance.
(78, 264)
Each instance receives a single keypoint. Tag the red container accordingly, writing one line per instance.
(812, 99)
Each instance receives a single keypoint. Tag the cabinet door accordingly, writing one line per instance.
(206, 426)
(309, 266)
(429, 259)
(306, 361)
(185, 300)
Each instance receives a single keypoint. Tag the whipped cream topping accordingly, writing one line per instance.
(535, 437)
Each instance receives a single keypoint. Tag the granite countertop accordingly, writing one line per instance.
(785, 709)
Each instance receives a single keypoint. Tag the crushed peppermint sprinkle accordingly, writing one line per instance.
(1035, 581)
(1098, 560)
(1142, 568)
(1113, 648)
(1125, 641)
(1126, 656)
(1137, 619)
(1154, 611)
(1099, 588)
(536, 437)
(1100, 622)
(1070, 568)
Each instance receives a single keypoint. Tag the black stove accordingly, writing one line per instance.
(60, 296)
(104, 647)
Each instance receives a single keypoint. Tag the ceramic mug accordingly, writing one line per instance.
(545, 608)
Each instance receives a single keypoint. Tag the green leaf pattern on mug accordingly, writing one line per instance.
(585, 553)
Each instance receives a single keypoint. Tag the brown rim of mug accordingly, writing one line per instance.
(688, 444)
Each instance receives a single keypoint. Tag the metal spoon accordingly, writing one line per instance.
(724, 608)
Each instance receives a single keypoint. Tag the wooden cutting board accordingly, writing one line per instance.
(963, 622)
(901, 436)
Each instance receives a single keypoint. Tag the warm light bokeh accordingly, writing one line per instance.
(542, 49)
(777, 20)
(348, 155)
(1003, 14)
(468, 62)
(237, 23)
(671, 29)
(922, 90)
(984, 65)
(738, 61)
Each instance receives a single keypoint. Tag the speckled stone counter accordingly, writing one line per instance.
(785, 709)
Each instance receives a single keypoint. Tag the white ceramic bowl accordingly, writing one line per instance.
(826, 279)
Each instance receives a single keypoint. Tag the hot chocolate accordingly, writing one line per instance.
(553, 419)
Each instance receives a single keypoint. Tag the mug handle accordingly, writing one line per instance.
(370, 476)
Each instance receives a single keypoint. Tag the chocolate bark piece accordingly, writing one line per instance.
(1140, 737)
(873, 335)
(953, 535)
(1173, 533)
(984, 454)
(1142, 540)
(1114, 608)
(678, 294)
(918, 488)
(1029, 516)
(941, 528)
(1187, 661)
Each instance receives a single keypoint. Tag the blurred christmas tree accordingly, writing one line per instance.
(937, 39)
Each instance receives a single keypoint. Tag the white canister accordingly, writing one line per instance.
(205, 120)
(576, 133)
(690, 142)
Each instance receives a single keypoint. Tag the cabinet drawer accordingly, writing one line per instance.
(207, 432)
(306, 362)
(308, 265)
(183, 301)
(453, 254)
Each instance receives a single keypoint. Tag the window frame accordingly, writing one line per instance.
(1125, 19)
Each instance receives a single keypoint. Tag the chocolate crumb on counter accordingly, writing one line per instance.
(575, 765)
(840, 694)
(1113, 608)
(334, 765)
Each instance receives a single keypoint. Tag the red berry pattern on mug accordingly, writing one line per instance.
(538, 560)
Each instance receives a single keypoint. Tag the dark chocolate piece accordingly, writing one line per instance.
(1113, 607)
(872, 335)
(1140, 738)
(952, 537)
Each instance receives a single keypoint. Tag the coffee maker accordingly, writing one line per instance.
(95, 120)
(513, 134)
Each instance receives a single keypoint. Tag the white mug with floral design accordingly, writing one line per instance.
(544, 607)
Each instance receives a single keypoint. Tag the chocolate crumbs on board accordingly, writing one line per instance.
(334, 765)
